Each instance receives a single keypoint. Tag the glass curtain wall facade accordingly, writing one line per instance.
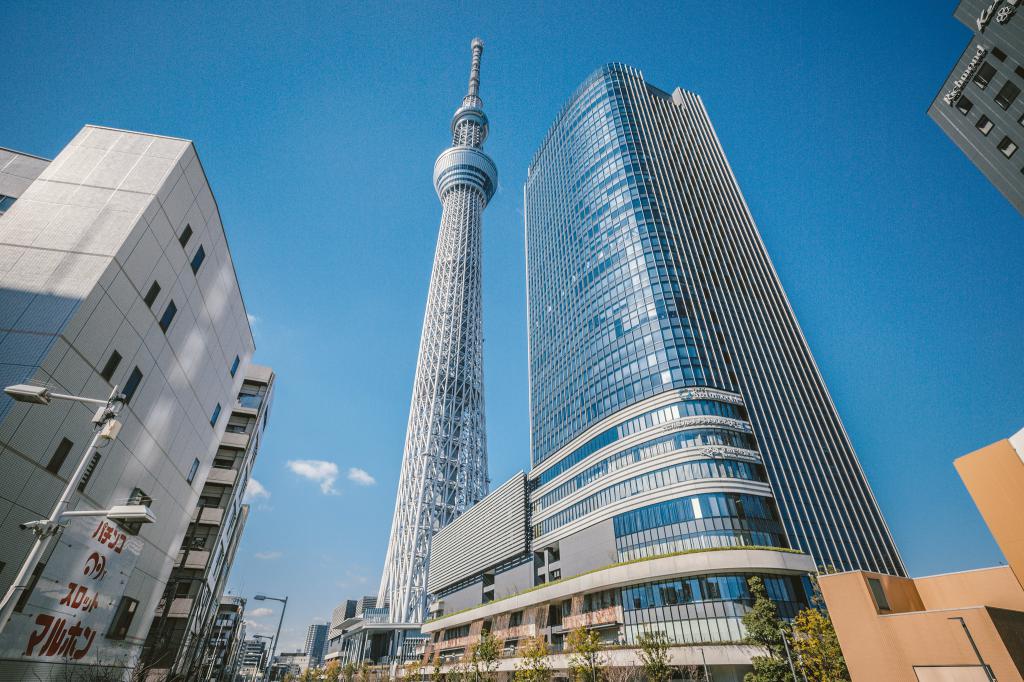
(649, 287)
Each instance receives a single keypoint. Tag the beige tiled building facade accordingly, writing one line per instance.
(114, 271)
(944, 628)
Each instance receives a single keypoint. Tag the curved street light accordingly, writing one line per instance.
(256, 671)
(106, 429)
(273, 645)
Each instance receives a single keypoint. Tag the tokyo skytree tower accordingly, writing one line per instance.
(444, 465)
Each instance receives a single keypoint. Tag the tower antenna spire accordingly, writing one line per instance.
(474, 70)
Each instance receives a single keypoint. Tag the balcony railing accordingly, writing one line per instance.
(211, 516)
(196, 559)
(222, 476)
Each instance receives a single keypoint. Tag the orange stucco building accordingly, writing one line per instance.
(945, 628)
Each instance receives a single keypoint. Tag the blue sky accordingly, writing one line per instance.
(318, 126)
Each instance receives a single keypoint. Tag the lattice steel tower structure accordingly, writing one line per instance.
(444, 466)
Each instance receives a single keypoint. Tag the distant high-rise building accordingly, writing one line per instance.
(184, 619)
(979, 106)
(654, 307)
(316, 644)
(116, 273)
(444, 465)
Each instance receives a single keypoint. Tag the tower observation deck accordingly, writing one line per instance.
(444, 463)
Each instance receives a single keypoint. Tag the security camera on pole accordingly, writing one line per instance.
(106, 429)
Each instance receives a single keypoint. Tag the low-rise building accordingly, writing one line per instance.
(184, 620)
(487, 576)
(221, 656)
(288, 663)
(370, 636)
(961, 626)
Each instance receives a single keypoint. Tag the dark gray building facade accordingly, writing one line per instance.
(980, 106)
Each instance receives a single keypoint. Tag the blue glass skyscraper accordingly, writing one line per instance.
(659, 333)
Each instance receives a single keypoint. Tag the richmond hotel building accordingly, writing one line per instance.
(979, 106)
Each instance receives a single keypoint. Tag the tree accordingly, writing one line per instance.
(365, 671)
(483, 657)
(586, 664)
(457, 673)
(816, 647)
(414, 670)
(765, 629)
(654, 656)
(627, 673)
(534, 666)
(435, 671)
(331, 671)
(349, 671)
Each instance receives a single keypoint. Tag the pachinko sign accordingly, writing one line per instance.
(69, 614)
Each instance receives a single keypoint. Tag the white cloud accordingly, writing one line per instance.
(255, 491)
(254, 320)
(257, 626)
(324, 473)
(357, 475)
(261, 612)
(267, 556)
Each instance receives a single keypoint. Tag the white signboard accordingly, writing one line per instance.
(70, 611)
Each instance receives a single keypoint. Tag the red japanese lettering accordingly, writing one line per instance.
(44, 621)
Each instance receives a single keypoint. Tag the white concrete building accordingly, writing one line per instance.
(114, 271)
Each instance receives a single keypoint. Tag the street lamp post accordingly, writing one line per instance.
(273, 645)
(106, 429)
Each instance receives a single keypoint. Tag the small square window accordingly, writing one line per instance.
(197, 260)
(186, 234)
(1019, 71)
(234, 365)
(168, 316)
(998, 54)
(6, 202)
(964, 105)
(878, 592)
(192, 470)
(59, 455)
(984, 125)
(112, 362)
(984, 75)
(154, 291)
(215, 416)
(1007, 146)
(1007, 94)
(132, 385)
